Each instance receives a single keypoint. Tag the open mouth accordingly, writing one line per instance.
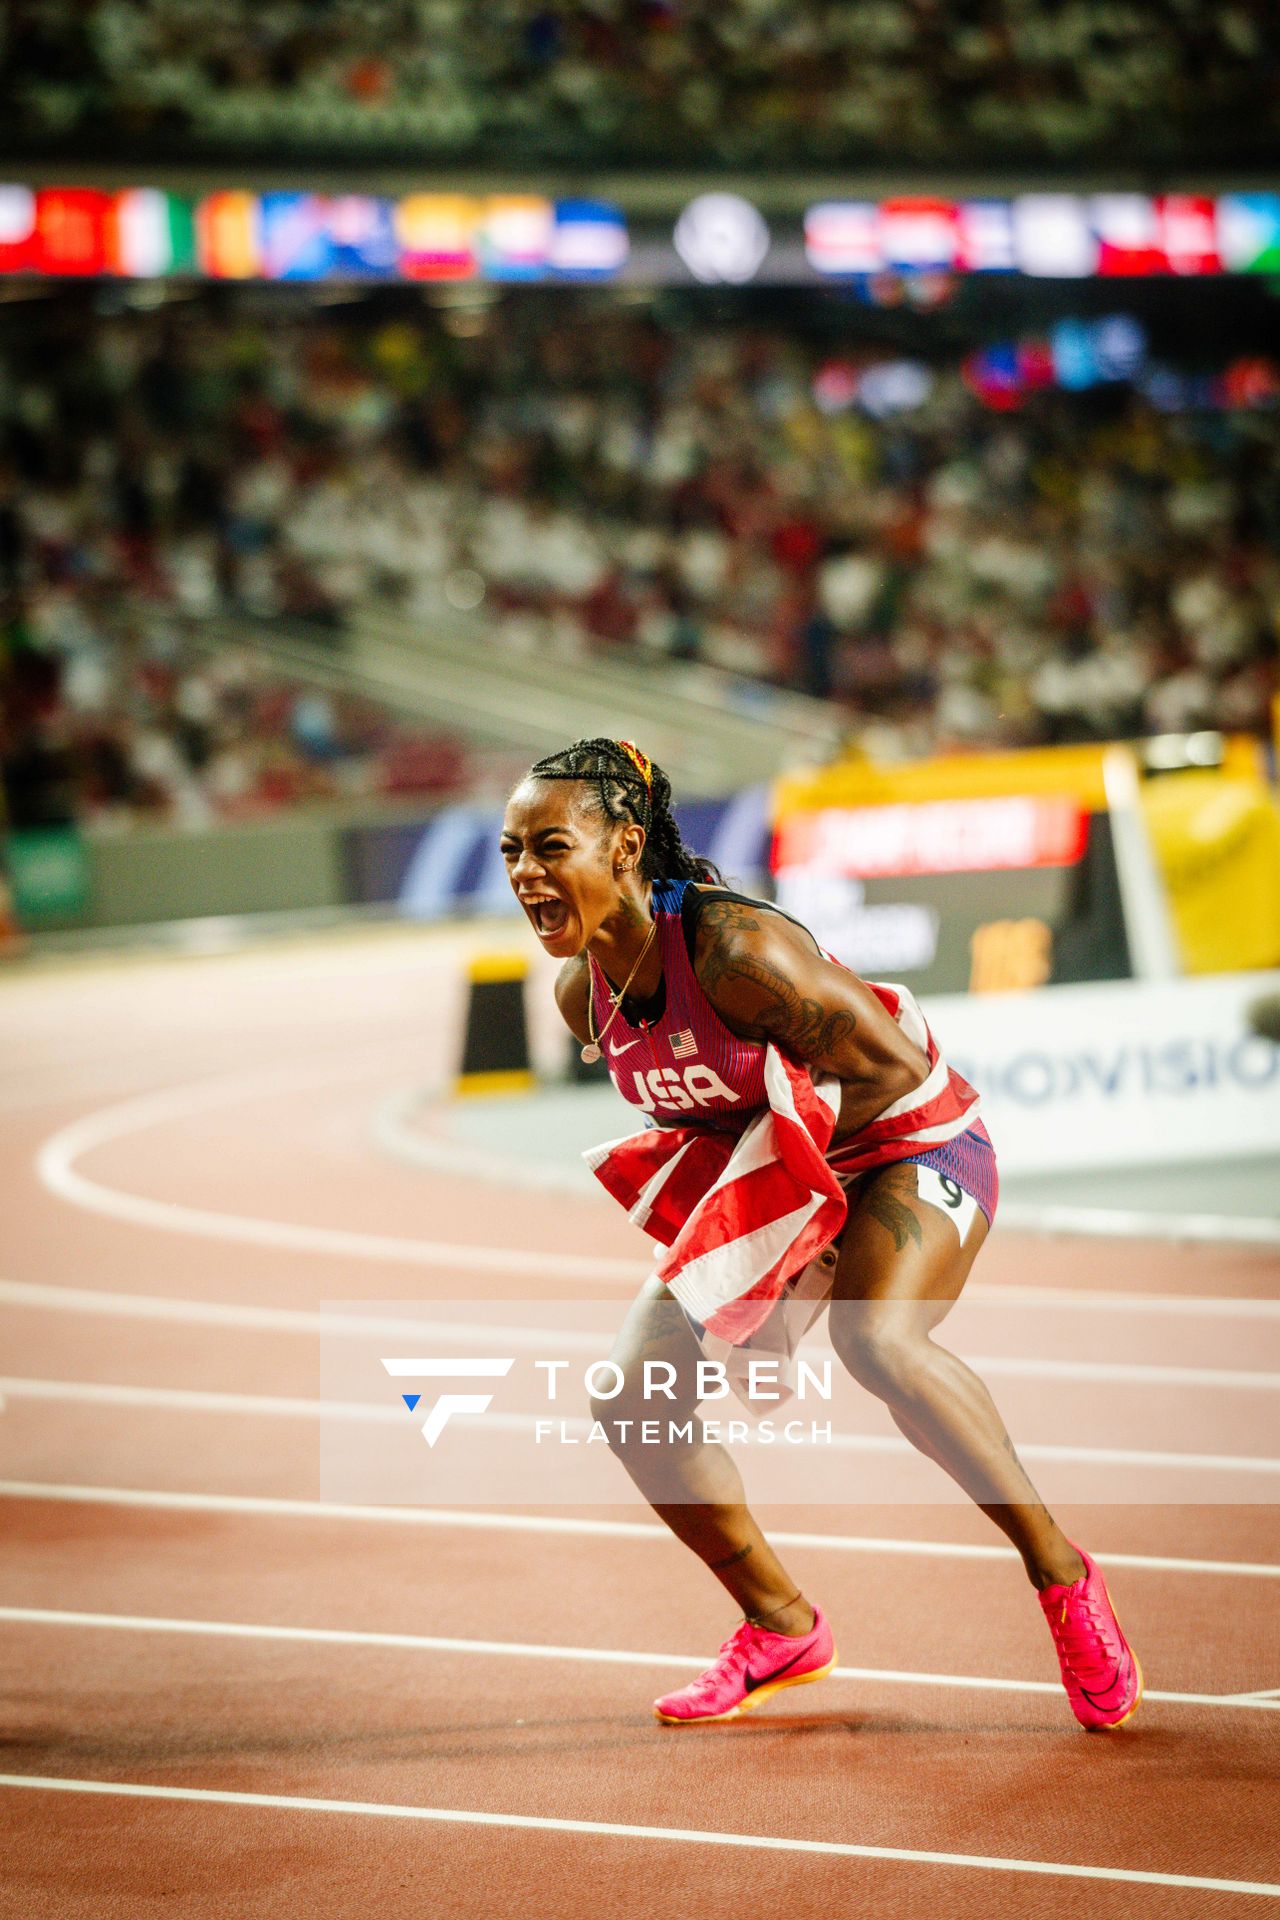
(550, 917)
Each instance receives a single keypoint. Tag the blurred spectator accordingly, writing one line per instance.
(580, 474)
(793, 82)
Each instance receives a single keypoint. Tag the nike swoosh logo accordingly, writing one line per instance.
(751, 1683)
(615, 1051)
(1103, 1696)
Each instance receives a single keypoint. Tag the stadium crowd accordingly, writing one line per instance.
(112, 716)
(583, 474)
(792, 82)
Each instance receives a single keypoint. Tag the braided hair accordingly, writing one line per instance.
(625, 785)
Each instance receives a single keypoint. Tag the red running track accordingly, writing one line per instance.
(343, 1748)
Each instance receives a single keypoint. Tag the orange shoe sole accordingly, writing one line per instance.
(753, 1700)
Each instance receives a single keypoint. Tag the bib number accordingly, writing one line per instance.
(949, 1198)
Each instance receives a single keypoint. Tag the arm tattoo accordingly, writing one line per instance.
(730, 916)
(778, 1010)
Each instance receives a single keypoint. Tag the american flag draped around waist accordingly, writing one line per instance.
(739, 1214)
(736, 1215)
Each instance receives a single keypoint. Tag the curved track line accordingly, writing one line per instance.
(690, 1836)
(395, 1135)
(56, 1166)
(57, 1169)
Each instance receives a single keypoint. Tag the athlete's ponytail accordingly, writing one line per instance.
(626, 785)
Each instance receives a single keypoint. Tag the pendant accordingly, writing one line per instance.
(590, 1055)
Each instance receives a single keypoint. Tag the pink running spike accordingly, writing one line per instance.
(751, 1665)
(1099, 1668)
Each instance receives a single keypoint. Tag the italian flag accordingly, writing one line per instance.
(151, 234)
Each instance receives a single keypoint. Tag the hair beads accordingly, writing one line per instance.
(629, 786)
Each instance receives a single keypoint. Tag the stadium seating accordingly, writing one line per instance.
(648, 81)
(586, 480)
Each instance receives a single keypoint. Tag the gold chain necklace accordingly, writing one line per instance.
(591, 1052)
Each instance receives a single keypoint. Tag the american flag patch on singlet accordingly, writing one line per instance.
(683, 1044)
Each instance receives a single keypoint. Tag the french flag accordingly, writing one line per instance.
(738, 1216)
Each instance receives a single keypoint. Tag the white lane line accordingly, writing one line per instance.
(601, 1829)
(218, 1313)
(266, 1507)
(536, 1650)
(1094, 1300)
(1126, 1223)
(395, 1134)
(1104, 1372)
(303, 1320)
(95, 1393)
(56, 1166)
(290, 1406)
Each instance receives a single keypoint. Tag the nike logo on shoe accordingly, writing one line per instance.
(1104, 1696)
(750, 1682)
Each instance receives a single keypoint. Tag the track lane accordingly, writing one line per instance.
(271, 1720)
(180, 1861)
(905, 1759)
(1195, 1632)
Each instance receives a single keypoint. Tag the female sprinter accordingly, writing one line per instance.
(597, 863)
